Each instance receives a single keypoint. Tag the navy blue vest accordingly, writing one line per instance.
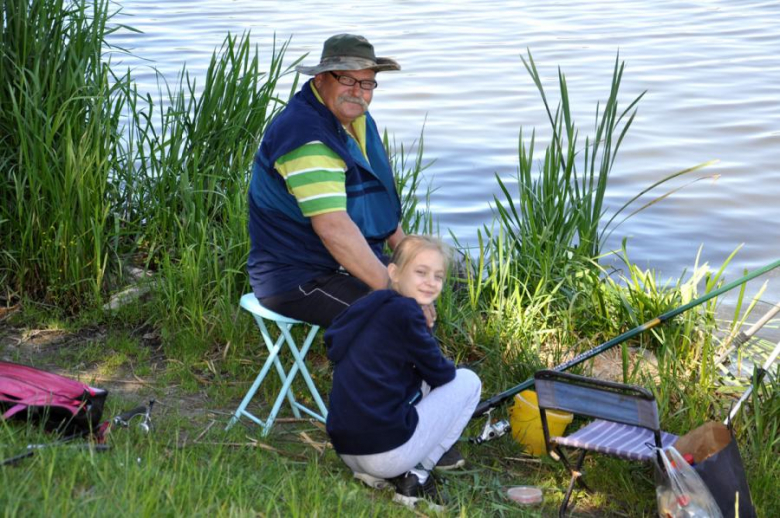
(286, 252)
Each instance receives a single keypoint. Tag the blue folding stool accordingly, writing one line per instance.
(250, 303)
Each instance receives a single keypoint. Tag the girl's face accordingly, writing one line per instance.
(421, 279)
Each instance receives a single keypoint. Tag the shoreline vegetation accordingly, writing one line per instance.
(104, 188)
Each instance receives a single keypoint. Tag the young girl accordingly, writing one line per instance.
(397, 405)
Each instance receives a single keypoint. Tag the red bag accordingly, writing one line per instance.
(67, 405)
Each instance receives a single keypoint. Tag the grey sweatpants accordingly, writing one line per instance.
(443, 414)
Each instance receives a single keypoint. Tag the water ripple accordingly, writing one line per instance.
(711, 69)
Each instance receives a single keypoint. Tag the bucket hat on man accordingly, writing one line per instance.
(349, 52)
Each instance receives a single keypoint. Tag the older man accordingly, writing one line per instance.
(322, 200)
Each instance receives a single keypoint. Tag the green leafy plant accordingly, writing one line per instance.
(556, 219)
(59, 121)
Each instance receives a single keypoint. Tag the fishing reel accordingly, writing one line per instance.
(145, 424)
(492, 430)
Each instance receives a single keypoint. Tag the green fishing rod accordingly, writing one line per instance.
(496, 400)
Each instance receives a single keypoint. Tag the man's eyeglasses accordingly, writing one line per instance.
(365, 84)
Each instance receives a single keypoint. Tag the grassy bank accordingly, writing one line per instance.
(99, 181)
(188, 464)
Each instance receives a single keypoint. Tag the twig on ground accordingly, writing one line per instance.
(531, 460)
(114, 380)
(14, 338)
(143, 382)
(245, 382)
(7, 312)
(34, 333)
(220, 412)
(205, 431)
(253, 444)
(319, 446)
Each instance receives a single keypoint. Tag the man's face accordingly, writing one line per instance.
(346, 102)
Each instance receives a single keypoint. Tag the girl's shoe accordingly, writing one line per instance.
(409, 490)
(452, 459)
(371, 481)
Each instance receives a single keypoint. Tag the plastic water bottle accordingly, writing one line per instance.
(665, 499)
(683, 507)
(671, 506)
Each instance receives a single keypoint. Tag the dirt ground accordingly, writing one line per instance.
(58, 351)
(61, 352)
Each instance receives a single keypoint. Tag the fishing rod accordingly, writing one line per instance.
(758, 377)
(734, 342)
(492, 431)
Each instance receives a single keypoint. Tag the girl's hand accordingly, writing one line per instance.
(430, 314)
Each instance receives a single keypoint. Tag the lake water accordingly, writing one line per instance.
(711, 70)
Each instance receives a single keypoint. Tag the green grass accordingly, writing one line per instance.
(761, 433)
(179, 469)
(59, 121)
(227, 473)
(189, 465)
(97, 177)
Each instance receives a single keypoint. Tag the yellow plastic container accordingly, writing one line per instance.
(527, 423)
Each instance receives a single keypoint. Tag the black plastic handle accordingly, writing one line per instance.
(124, 418)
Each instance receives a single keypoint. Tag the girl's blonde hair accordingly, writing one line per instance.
(413, 244)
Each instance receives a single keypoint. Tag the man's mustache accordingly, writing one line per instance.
(356, 100)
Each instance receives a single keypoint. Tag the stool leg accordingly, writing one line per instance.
(285, 390)
(300, 363)
(273, 352)
(285, 331)
(287, 378)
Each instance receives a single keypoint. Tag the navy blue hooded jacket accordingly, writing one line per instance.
(382, 351)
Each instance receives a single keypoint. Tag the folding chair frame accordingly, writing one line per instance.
(620, 389)
(261, 314)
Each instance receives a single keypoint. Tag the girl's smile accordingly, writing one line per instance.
(422, 278)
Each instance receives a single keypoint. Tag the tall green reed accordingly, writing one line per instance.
(96, 175)
(555, 220)
(408, 170)
(186, 164)
(59, 122)
(543, 238)
(187, 176)
(556, 217)
(630, 296)
(543, 247)
(759, 427)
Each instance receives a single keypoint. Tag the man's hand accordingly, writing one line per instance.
(396, 237)
(430, 314)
